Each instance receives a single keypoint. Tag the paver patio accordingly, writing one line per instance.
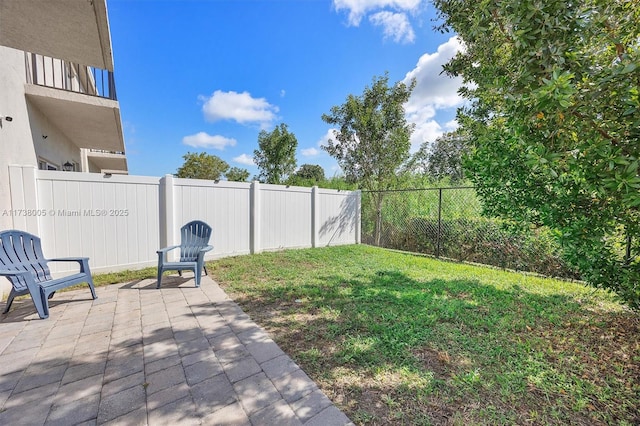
(142, 356)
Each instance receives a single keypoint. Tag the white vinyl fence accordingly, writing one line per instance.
(120, 221)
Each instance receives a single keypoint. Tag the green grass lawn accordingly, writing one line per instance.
(395, 338)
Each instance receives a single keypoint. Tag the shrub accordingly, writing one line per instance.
(480, 240)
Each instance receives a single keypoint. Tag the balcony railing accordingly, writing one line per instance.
(104, 151)
(64, 75)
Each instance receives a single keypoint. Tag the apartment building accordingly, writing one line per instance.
(58, 103)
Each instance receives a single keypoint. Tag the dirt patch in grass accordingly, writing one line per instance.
(395, 340)
(436, 361)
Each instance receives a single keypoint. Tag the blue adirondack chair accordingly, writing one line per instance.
(194, 243)
(22, 262)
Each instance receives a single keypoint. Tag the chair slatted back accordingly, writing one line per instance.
(194, 236)
(21, 251)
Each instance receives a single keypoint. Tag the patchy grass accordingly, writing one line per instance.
(124, 276)
(100, 280)
(395, 338)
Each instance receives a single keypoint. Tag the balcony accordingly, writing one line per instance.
(80, 100)
(108, 161)
(64, 75)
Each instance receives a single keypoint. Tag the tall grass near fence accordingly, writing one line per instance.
(448, 223)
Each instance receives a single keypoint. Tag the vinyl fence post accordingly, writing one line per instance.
(167, 212)
(439, 236)
(254, 218)
(358, 218)
(315, 217)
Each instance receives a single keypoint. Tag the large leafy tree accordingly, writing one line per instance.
(311, 172)
(202, 166)
(443, 158)
(307, 175)
(236, 174)
(372, 138)
(554, 114)
(276, 154)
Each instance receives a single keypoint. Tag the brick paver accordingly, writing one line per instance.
(142, 356)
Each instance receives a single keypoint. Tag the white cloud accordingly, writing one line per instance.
(434, 90)
(204, 140)
(451, 125)
(358, 8)
(240, 107)
(426, 131)
(245, 159)
(395, 26)
(283, 93)
(324, 140)
(432, 85)
(309, 152)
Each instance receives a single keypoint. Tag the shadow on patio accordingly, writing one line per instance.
(138, 355)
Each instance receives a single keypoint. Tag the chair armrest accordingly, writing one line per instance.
(202, 251)
(68, 259)
(166, 249)
(82, 261)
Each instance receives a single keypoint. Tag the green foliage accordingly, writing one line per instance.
(485, 241)
(307, 175)
(412, 221)
(339, 183)
(446, 157)
(442, 159)
(372, 139)
(418, 339)
(236, 174)
(276, 154)
(202, 166)
(555, 120)
(310, 171)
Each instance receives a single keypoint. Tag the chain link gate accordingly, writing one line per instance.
(448, 223)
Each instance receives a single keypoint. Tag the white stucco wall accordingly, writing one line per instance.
(56, 148)
(23, 139)
(16, 142)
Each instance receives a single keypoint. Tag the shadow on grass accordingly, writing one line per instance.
(394, 349)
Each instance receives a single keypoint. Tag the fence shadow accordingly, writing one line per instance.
(342, 223)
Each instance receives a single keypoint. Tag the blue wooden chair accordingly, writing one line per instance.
(22, 262)
(194, 243)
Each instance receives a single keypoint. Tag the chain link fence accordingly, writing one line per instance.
(447, 223)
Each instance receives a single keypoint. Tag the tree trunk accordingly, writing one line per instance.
(378, 229)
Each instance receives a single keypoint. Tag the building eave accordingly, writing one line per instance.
(72, 30)
(88, 121)
(108, 162)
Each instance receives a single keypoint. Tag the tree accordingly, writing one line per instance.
(311, 171)
(442, 159)
(307, 175)
(236, 174)
(445, 157)
(276, 156)
(554, 114)
(372, 139)
(202, 166)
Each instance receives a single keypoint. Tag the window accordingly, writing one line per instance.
(45, 165)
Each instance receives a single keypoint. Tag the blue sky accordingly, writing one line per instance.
(208, 75)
